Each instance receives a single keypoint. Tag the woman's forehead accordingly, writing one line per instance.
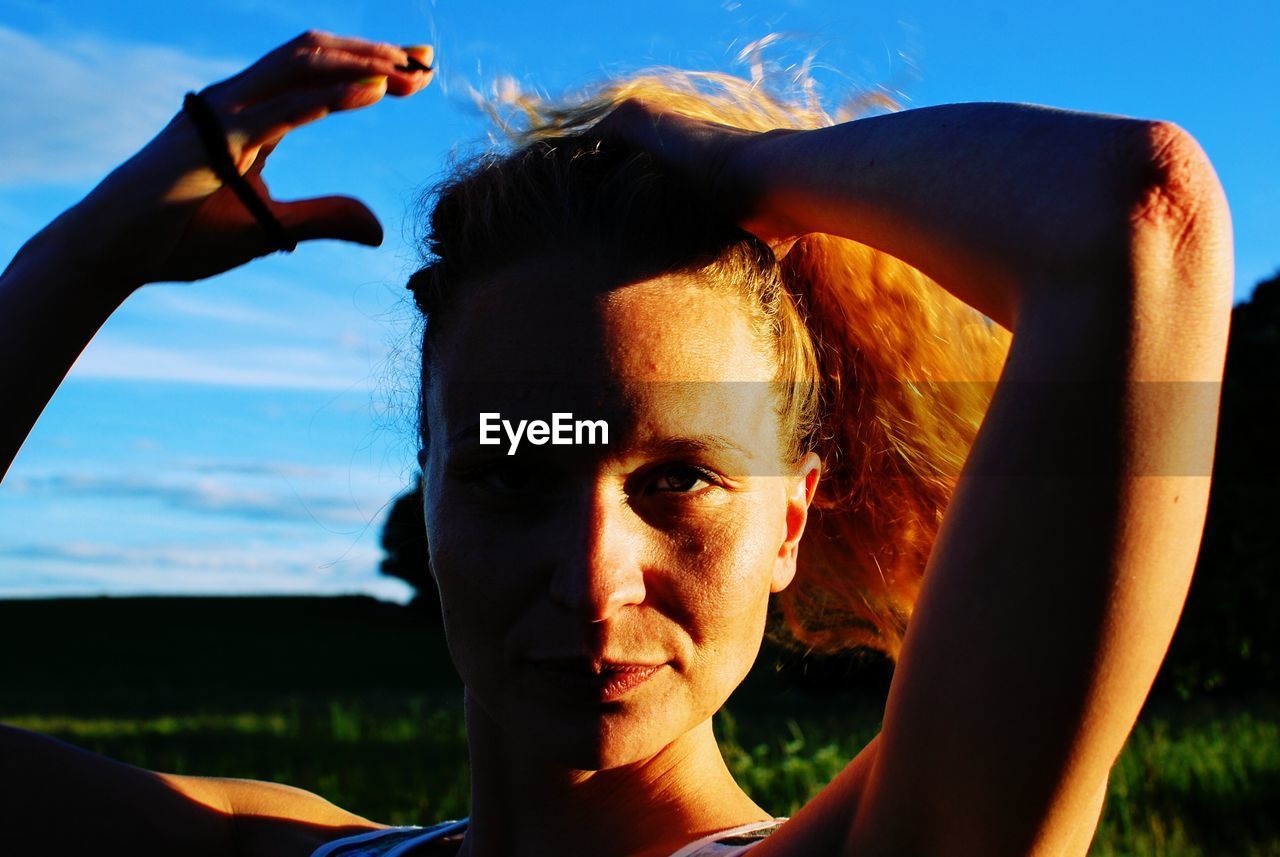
(577, 324)
(663, 360)
(735, 421)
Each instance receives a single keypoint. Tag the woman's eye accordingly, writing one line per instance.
(681, 479)
(507, 477)
(501, 477)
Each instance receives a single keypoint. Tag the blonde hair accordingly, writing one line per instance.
(881, 372)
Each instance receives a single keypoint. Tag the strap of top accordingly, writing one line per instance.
(389, 842)
(401, 841)
(733, 842)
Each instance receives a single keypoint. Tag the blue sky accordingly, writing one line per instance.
(246, 434)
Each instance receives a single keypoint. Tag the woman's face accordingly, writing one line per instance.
(601, 600)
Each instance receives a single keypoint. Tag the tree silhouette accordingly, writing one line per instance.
(1227, 639)
(404, 538)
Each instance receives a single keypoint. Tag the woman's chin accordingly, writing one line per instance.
(593, 740)
(593, 737)
(582, 751)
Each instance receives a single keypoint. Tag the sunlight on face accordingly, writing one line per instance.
(658, 550)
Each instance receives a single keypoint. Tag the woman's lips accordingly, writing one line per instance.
(594, 682)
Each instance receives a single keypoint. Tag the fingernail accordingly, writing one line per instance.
(374, 80)
(414, 64)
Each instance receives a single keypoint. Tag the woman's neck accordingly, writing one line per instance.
(522, 806)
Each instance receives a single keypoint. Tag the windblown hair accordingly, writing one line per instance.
(880, 371)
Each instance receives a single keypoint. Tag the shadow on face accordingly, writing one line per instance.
(568, 567)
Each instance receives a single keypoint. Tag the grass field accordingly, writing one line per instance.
(355, 700)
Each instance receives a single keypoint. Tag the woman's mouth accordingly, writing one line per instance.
(593, 682)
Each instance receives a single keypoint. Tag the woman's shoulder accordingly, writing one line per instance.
(390, 841)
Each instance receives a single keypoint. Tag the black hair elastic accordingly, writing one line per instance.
(214, 138)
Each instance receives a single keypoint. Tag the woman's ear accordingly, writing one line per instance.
(801, 487)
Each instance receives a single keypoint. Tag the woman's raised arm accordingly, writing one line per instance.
(1065, 555)
(165, 215)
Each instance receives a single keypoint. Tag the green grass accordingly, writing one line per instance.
(371, 732)
(1202, 782)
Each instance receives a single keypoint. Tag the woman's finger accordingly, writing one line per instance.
(782, 246)
(382, 49)
(407, 83)
(317, 67)
(260, 158)
(273, 118)
(312, 59)
(633, 123)
(424, 54)
(337, 217)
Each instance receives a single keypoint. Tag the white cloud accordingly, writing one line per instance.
(91, 568)
(255, 468)
(229, 493)
(290, 367)
(71, 113)
(192, 303)
(254, 558)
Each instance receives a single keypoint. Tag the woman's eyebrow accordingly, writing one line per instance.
(471, 432)
(693, 443)
(682, 444)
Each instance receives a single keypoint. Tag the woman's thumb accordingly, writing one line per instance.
(338, 217)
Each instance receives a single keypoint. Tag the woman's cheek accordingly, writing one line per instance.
(481, 566)
(478, 562)
(724, 569)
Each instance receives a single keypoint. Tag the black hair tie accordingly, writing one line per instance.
(214, 138)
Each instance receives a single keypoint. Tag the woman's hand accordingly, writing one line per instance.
(715, 157)
(165, 215)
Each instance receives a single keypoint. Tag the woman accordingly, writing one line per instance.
(603, 599)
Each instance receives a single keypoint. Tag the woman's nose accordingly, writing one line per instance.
(599, 568)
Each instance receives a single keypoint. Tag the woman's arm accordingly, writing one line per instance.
(997, 202)
(60, 799)
(1064, 558)
(50, 307)
(164, 215)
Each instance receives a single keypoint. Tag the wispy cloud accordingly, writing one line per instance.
(254, 468)
(208, 495)
(204, 306)
(293, 367)
(249, 558)
(72, 112)
(84, 567)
